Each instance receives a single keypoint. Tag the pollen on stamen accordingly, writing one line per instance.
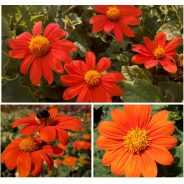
(136, 140)
(29, 144)
(92, 78)
(113, 13)
(39, 46)
(159, 53)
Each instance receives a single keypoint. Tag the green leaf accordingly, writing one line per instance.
(140, 90)
(171, 91)
(13, 91)
(170, 29)
(5, 61)
(135, 72)
(5, 28)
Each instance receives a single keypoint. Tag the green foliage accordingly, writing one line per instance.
(75, 20)
(175, 115)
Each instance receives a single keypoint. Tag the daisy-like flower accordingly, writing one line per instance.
(86, 136)
(70, 161)
(89, 81)
(81, 144)
(50, 125)
(158, 51)
(42, 53)
(28, 155)
(115, 19)
(135, 140)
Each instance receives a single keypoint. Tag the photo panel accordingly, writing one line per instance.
(138, 140)
(92, 53)
(46, 141)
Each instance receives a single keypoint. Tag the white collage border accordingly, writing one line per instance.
(96, 180)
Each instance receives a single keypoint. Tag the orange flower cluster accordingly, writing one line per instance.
(29, 153)
(135, 140)
(81, 144)
(70, 161)
(43, 53)
(86, 136)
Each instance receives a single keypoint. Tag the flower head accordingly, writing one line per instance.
(42, 53)
(135, 140)
(50, 125)
(86, 136)
(81, 144)
(28, 155)
(87, 80)
(70, 161)
(115, 19)
(158, 51)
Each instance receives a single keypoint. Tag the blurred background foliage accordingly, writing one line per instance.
(102, 113)
(140, 85)
(82, 168)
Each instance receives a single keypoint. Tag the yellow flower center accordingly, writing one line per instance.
(39, 46)
(113, 13)
(29, 144)
(92, 78)
(136, 140)
(159, 52)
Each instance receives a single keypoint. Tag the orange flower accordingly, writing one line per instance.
(57, 162)
(87, 81)
(50, 125)
(28, 155)
(86, 136)
(135, 140)
(115, 19)
(157, 52)
(70, 161)
(81, 144)
(43, 53)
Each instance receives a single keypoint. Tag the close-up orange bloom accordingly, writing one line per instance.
(116, 19)
(50, 125)
(42, 53)
(86, 136)
(135, 140)
(89, 81)
(81, 144)
(28, 155)
(70, 161)
(157, 52)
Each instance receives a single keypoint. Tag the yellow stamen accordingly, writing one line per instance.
(159, 52)
(39, 46)
(113, 13)
(92, 78)
(136, 140)
(29, 144)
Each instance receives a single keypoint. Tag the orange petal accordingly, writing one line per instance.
(111, 130)
(53, 111)
(132, 168)
(108, 144)
(24, 164)
(110, 156)
(52, 150)
(160, 154)
(164, 128)
(69, 122)
(48, 133)
(37, 164)
(119, 163)
(138, 114)
(158, 118)
(9, 157)
(148, 166)
(62, 136)
(121, 119)
(165, 141)
(47, 159)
